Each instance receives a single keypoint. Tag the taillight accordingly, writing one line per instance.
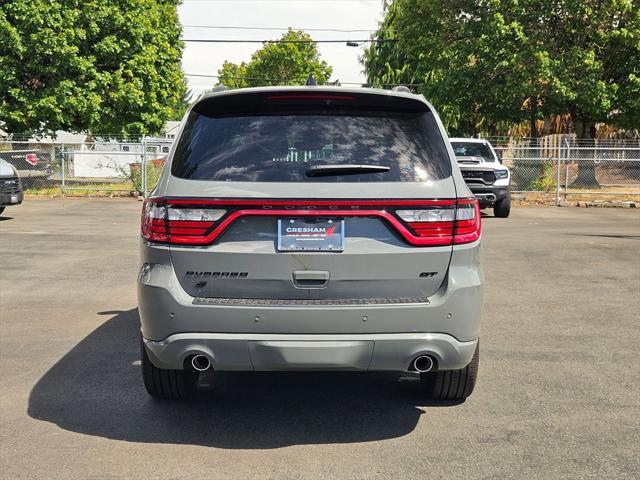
(422, 223)
(154, 227)
(314, 96)
(436, 223)
(167, 223)
(468, 222)
(443, 224)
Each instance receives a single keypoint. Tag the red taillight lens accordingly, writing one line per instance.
(154, 227)
(313, 96)
(468, 222)
(434, 225)
(164, 222)
(457, 222)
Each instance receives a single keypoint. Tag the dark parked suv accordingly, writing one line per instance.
(311, 228)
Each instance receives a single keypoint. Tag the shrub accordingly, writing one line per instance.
(546, 182)
(154, 170)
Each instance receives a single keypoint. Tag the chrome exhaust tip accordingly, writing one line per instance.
(200, 363)
(423, 364)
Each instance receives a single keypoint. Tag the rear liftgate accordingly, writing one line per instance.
(310, 252)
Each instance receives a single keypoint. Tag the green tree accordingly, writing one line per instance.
(594, 51)
(471, 59)
(181, 106)
(278, 64)
(102, 66)
(499, 62)
(233, 75)
(594, 55)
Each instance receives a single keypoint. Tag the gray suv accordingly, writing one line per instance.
(310, 228)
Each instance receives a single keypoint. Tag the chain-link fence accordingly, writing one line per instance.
(555, 164)
(569, 167)
(109, 167)
(38, 166)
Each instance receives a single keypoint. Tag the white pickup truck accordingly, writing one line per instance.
(482, 170)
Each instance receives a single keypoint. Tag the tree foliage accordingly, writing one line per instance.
(233, 75)
(278, 64)
(499, 62)
(182, 105)
(102, 66)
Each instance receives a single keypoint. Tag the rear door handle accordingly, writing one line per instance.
(310, 278)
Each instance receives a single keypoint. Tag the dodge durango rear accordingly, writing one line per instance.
(310, 228)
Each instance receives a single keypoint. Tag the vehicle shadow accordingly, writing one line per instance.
(4, 217)
(96, 389)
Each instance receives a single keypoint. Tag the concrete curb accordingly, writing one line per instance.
(600, 204)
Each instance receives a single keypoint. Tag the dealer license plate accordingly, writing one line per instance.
(310, 235)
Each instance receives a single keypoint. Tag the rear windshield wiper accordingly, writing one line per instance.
(328, 170)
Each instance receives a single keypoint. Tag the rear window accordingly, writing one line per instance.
(473, 149)
(281, 146)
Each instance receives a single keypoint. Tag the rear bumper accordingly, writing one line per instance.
(488, 195)
(267, 352)
(7, 199)
(268, 336)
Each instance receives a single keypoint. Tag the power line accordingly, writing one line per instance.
(227, 27)
(216, 40)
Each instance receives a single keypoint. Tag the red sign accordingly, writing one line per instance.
(31, 158)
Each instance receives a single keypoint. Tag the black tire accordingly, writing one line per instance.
(502, 207)
(1, 210)
(452, 384)
(161, 383)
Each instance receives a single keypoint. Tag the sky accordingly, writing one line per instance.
(207, 58)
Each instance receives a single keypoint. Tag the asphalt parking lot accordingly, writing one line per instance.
(558, 393)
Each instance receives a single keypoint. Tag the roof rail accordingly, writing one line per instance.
(311, 81)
